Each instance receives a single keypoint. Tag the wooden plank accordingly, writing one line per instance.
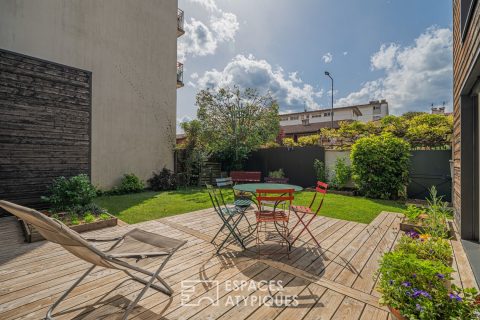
(326, 306)
(372, 313)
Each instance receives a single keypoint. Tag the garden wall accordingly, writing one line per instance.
(297, 163)
(427, 167)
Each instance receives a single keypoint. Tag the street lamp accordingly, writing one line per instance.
(331, 112)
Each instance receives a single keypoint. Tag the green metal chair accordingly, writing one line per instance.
(231, 217)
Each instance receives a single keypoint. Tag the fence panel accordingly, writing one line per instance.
(297, 163)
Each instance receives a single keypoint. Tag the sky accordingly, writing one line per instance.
(398, 50)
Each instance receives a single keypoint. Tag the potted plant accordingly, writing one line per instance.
(70, 201)
(414, 288)
(277, 176)
(432, 219)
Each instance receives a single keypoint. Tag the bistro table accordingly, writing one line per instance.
(253, 187)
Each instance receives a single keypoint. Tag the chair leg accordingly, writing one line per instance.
(167, 290)
(63, 296)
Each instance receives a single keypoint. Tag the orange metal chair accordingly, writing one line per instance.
(302, 212)
(273, 215)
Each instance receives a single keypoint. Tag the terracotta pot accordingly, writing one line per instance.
(396, 314)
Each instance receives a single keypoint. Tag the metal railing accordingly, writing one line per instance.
(179, 74)
(180, 21)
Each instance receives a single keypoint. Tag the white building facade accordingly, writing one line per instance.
(374, 110)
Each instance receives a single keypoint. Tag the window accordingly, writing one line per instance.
(305, 122)
(377, 109)
(318, 115)
(294, 118)
(466, 10)
(326, 114)
(284, 119)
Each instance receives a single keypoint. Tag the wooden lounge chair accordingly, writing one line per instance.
(130, 248)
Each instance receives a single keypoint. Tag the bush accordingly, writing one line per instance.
(320, 172)
(311, 140)
(380, 166)
(130, 184)
(289, 142)
(69, 193)
(343, 173)
(163, 181)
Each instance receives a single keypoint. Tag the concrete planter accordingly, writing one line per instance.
(32, 235)
(405, 227)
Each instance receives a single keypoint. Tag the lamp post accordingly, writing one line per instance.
(331, 112)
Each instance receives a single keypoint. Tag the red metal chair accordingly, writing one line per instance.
(266, 214)
(302, 212)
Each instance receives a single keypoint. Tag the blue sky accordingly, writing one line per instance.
(399, 50)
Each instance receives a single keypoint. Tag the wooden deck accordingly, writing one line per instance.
(335, 281)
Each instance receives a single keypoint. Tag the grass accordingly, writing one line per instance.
(144, 206)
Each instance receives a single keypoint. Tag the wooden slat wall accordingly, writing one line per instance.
(463, 58)
(45, 116)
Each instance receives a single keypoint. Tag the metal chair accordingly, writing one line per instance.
(302, 212)
(133, 246)
(279, 218)
(242, 202)
(230, 216)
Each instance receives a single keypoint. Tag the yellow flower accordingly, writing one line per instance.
(425, 236)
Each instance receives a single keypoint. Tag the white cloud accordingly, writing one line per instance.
(327, 57)
(415, 76)
(201, 39)
(345, 53)
(248, 72)
(194, 75)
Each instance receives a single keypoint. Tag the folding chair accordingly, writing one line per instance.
(242, 203)
(278, 217)
(231, 218)
(302, 212)
(135, 245)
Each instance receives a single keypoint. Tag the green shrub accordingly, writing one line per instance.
(380, 166)
(320, 171)
(163, 181)
(277, 174)
(311, 140)
(94, 208)
(289, 142)
(343, 173)
(67, 193)
(130, 184)
(73, 218)
(412, 213)
(437, 215)
(104, 216)
(429, 248)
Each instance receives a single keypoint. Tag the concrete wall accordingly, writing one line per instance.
(130, 47)
(331, 157)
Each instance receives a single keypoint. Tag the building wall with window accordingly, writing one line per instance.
(466, 72)
(130, 47)
(375, 110)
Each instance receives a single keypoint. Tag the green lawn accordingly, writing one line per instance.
(138, 207)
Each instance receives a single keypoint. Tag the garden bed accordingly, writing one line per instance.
(406, 227)
(32, 235)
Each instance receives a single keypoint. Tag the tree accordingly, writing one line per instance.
(194, 151)
(235, 122)
(429, 130)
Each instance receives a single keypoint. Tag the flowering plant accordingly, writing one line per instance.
(420, 289)
(426, 247)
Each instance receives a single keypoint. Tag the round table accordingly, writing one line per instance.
(252, 187)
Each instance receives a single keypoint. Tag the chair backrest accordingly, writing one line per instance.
(276, 196)
(246, 176)
(224, 182)
(55, 231)
(212, 193)
(321, 188)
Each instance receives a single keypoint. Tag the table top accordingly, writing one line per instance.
(252, 187)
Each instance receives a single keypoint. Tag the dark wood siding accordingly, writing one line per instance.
(45, 119)
(465, 54)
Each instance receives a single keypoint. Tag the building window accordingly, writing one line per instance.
(305, 122)
(284, 119)
(317, 115)
(466, 10)
(377, 109)
(326, 114)
(294, 118)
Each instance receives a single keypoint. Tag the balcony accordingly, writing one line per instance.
(179, 75)
(180, 23)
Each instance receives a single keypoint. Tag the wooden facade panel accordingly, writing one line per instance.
(465, 52)
(45, 120)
